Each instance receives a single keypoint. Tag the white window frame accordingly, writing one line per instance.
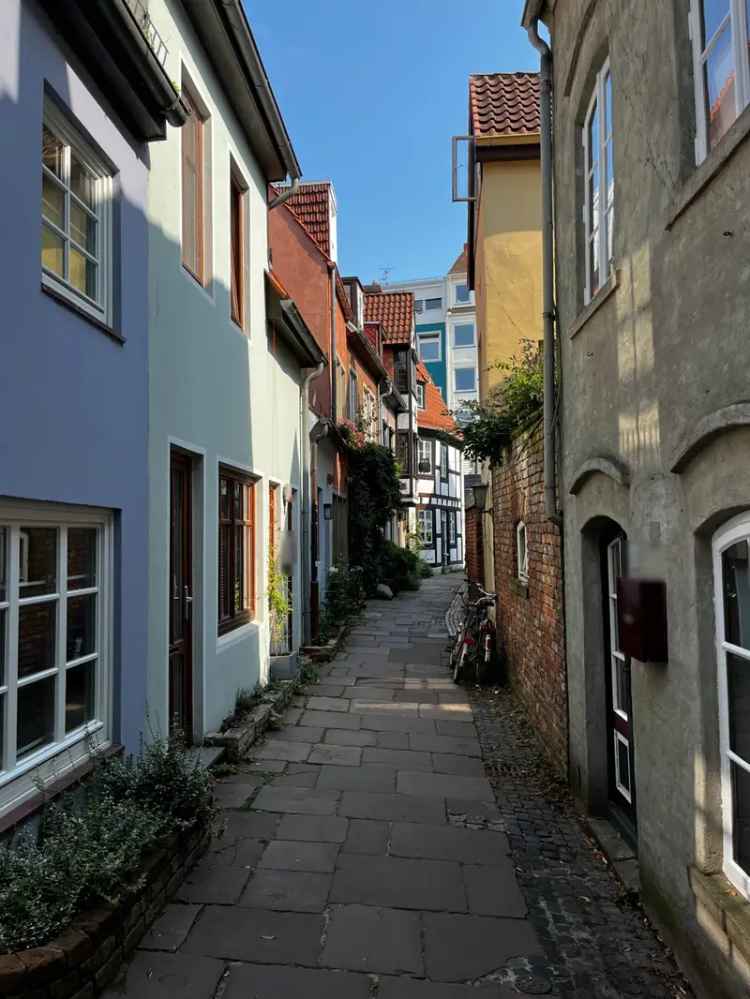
(605, 229)
(465, 346)
(420, 395)
(456, 299)
(425, 527)
(430, 335)
(369, 414)
(100, 307)
(624, 790)
(21, 780)
(522, 552)
(738, 529)
(424, 453)
(739, 32)
(618, 659)
(433, 308)
(464, 367)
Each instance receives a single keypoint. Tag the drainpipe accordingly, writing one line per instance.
(545, 88)
(334, 412)
(284, 195)
(305, 484)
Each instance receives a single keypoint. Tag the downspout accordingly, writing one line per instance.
(284, 195)
(305, 483)
(334, 387)
(545, 139)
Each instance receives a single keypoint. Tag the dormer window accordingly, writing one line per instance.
(420, 395)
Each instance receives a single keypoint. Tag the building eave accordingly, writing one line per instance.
(225, 34)
(114, 49)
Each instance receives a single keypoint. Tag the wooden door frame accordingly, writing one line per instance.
(180, 457)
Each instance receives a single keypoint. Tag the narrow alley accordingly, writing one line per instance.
(364, 852)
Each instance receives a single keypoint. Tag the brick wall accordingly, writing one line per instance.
(530, 615)
(474, 544)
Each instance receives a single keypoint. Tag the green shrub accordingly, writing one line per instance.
(425, 570)
(399, 567)
(89, 847)
(345, 597)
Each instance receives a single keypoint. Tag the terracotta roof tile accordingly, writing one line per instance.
(435, 415)
(461, 263)
(311, 204)
(504, 104)
(394, 310)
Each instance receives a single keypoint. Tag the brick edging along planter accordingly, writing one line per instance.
(81, 960)
(237, 740)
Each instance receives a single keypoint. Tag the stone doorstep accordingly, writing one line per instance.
(621, 856)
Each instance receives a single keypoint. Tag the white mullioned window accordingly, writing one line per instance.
(719, 31)
(619, 670)
(76, 217)
(424, 527)
(731, 554)
(599, 190)
(424, 456)
(522, 552)
(55, 633)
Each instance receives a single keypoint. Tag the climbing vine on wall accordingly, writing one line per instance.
(374, 496)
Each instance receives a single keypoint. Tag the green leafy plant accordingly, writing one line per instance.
(278, 603)
(400, 567)
(374, 497)
(345, 597)
(513, 405)
(90, 846)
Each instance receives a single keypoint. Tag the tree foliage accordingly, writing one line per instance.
(513, 405)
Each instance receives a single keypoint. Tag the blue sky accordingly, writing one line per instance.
(371, 95)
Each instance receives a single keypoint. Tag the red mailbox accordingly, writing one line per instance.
(642, 618)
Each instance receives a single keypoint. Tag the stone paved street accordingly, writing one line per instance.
(364, 854)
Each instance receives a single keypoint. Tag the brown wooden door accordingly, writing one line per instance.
(180, 598)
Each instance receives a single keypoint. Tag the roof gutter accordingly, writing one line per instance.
(285, 195)
(549, 312)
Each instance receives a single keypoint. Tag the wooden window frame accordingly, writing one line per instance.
(237, 248)
(228, 620)
(199, 272)
(736, 20)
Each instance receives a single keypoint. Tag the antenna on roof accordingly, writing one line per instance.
(385, 273)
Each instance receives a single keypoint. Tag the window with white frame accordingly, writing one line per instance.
(465, 379)
(429, 347)
(76, 217)
(424, 527)
(599, 192)
(463, 335)
(424, 456)
(719, 30)
(731, 550)
(431, 304)
(522, 552)
(369, 415)
(462, 294)
(444, 462)
(55, 630)
(420, 394)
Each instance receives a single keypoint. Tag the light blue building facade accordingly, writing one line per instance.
(73, 386)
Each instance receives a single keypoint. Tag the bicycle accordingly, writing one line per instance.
(474, 643)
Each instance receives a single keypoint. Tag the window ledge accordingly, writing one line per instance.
(56, 788)
(83, 314)
(730, 911)
(606, 290)
(236, 635)
(713, 164)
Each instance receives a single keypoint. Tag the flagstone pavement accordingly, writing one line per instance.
(362, 854)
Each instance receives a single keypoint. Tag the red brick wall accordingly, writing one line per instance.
(530, 617)
(474, 544)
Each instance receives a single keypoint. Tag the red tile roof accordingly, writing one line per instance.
(311, 204)
(435, 415)
(394, 310)
(504, 104)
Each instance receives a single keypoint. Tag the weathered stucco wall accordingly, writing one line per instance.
(666, 347)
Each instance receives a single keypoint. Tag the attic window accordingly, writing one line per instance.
(420, 395)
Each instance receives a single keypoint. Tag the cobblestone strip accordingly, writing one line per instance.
(599, 943)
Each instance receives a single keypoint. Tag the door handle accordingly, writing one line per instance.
(187, 602)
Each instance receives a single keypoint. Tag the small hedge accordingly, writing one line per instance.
(89, 847)
(400, 567)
